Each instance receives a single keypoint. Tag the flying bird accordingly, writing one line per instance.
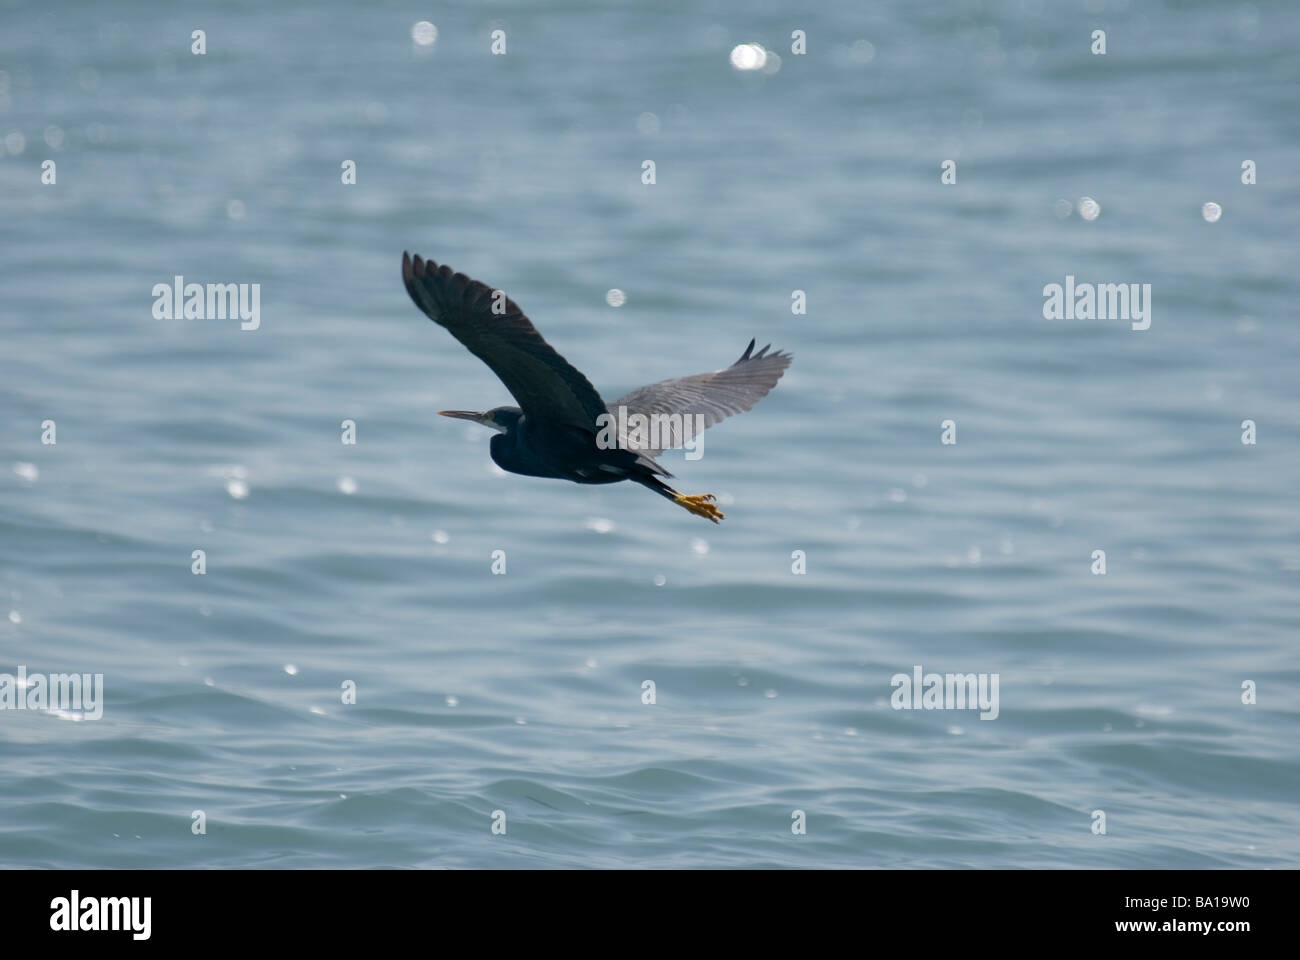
(562, 428)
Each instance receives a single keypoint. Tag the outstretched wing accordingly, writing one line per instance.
(543, 383)
(714, 396)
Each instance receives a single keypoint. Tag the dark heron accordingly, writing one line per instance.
(561, 428)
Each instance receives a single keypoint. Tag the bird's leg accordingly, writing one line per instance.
(701, 505)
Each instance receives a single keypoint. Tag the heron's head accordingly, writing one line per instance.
(498, 418)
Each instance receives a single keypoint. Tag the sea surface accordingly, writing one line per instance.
(1147, 716)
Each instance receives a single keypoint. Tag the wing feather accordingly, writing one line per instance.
(714, 396)
(543, 383)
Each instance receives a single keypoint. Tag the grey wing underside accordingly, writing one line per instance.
(543, 383)
(714, 396)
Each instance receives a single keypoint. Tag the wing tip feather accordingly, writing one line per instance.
(763, 354)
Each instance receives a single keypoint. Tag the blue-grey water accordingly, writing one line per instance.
(330, 565)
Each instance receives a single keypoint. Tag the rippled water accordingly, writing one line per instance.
(372, 563)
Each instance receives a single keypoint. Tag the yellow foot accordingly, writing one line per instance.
(701, 506)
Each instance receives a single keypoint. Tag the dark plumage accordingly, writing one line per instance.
(559, 429)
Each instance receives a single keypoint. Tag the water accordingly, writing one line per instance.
(372, 563)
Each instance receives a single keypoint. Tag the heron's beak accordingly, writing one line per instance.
(462, 415)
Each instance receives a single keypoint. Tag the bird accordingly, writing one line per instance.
(561, 428)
